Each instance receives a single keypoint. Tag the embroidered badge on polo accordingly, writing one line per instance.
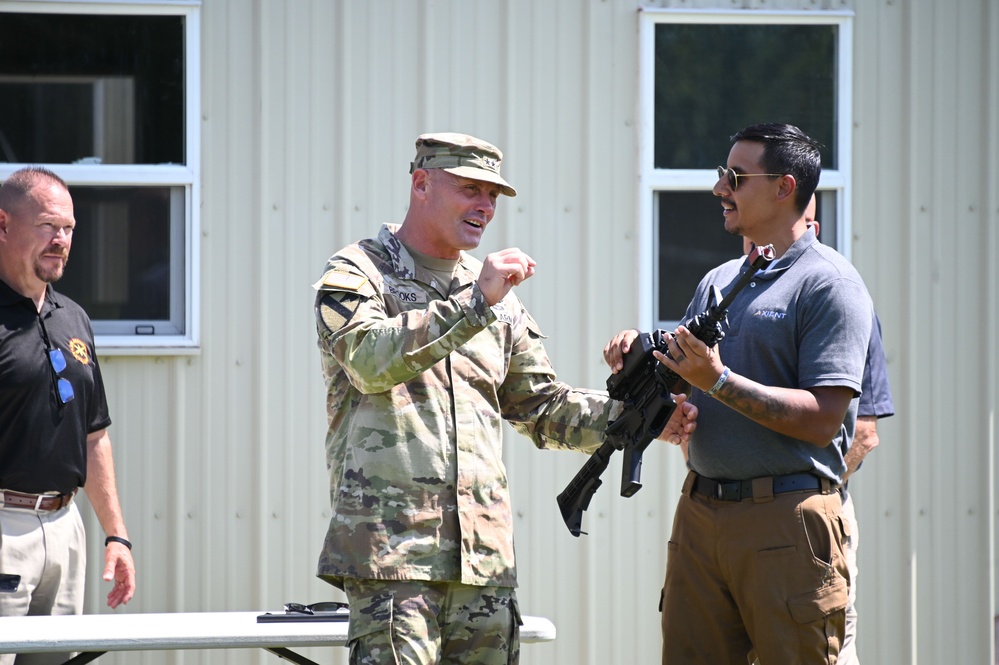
(79, 350)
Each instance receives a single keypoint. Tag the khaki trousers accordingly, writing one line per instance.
(49, 551)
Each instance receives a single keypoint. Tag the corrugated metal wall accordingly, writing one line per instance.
(310, 110)
(926, 172)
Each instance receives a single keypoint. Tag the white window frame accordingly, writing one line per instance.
(186, 176)
(653, 180)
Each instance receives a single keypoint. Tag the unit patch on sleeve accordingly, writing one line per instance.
(336, 308)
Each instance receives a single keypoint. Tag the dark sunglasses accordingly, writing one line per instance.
(733, 177)
(325, 606)
(58, 362)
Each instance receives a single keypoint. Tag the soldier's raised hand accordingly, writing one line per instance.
(503, 270)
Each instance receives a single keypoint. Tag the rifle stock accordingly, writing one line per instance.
(646, 388)
(575, 498)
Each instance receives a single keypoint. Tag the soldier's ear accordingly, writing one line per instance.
(421, 181)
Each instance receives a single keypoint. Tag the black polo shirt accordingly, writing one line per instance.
(43, 442)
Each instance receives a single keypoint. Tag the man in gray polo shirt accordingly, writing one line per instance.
(875, 402)
(756, 559)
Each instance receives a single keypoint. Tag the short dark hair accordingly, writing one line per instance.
(787, 149)
(19, 183)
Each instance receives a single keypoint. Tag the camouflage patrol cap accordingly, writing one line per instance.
(462, 155)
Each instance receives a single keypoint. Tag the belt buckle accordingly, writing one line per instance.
(38, 502)
(729, 491)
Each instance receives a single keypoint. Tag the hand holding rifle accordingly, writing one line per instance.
(648, 376)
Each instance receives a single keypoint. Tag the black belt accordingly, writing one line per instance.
(737, 490)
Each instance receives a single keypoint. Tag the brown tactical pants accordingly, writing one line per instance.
(765, 574)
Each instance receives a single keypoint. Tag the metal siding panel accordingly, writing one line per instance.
(939, 514)
(925, 269)
(290, 477)
(989, 77)
(881, 227)
(919, 80)
(232, 332)
(968, 473)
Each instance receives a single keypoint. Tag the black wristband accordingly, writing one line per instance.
(117, 539)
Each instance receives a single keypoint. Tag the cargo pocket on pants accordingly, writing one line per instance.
(822, 611)
(369, 635)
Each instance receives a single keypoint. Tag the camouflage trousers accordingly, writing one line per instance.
(418, 622)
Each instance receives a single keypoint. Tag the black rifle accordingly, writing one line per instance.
(646, 386)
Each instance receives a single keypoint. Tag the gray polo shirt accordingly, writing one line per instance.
(804, 322)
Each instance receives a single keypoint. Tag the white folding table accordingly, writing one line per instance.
(95, 634)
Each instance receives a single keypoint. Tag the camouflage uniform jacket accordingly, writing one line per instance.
(419, 377)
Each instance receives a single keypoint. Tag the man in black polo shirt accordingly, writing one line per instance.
(53, 414)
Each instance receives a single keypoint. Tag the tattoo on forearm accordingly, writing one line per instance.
(759, 405)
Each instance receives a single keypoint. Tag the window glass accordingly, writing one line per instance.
(91, 88)
(825, 215)
(127, 232)
(711, 80)
(705, 77)
(691, 240)
(103, 100)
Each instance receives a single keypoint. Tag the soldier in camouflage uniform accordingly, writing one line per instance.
(425, 351)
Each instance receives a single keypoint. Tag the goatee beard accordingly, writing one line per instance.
(50, 275)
